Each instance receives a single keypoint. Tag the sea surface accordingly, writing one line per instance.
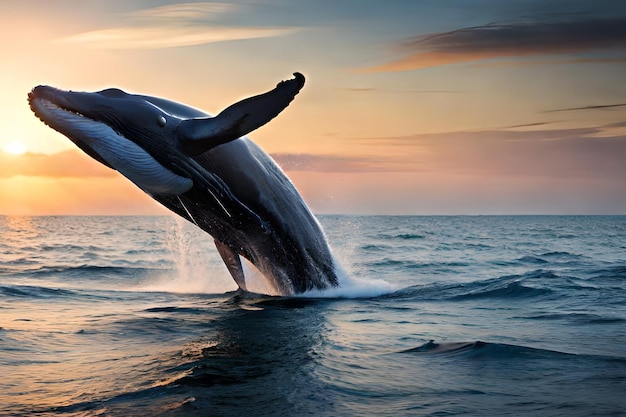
(436, 316)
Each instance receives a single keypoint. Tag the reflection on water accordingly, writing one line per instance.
(17, 225)
(16, 232)
(259, 352)
(59, 351)
(254, 356)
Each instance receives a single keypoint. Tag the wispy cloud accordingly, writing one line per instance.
(525, 150)
(407, 91)
(521, 39)
(535, 124)
(330, 163)
(593, 107)
(573, 153)
(171, 26)
(550, 61)
(185, 12)
(154, 37)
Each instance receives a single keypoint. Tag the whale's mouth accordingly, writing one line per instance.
(49, 107)
(55, 116)
(54, 109)
(46, 110)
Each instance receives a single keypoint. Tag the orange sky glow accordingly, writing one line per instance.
(410, 108)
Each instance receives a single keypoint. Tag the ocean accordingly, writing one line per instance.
(436, 316)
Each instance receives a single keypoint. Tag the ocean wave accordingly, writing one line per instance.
(141, 327)
(375, 247)
(505, 287)
(410, 264)
(400, 236)
(67, 247)
(532, 260)
(552, 258)
(29, 291)
(388, 262)
(154, 400)
(580, 318)
(21, 261)
(92, 271)
(151, 252)
(487, 350)
(617, 273)
(174, 309)
(497, 289)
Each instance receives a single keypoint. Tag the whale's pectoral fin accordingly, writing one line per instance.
(201, 134)
(233, 263)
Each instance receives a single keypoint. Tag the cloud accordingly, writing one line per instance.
(329, 163)
(185, 12)
(616, 124)
(572, 153)
(594, 107)
(535, 124)
(379, 90)
(583, 153)
(154, 37)
(67, 164)
(172, 26)
(513, 40)
(545, 61)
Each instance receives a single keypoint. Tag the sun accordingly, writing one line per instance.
(15, 148)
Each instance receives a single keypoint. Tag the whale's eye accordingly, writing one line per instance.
(161, 121)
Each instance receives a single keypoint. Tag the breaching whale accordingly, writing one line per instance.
(205, 170)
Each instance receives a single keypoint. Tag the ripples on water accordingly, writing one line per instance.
(452, 316)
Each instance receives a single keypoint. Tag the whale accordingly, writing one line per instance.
(206, 170)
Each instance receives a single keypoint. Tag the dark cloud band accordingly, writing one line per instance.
(528, 37)
(521, 39)
(596, 107)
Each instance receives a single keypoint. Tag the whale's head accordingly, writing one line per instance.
(146, 138)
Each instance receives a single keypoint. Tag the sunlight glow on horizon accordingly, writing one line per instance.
(15, 148)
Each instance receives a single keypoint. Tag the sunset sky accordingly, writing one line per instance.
(410, 107)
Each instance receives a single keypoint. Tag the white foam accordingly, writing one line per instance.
(353, 287)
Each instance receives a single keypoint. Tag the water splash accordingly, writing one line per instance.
(197, 266)
(199, 269)
(353, 286)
